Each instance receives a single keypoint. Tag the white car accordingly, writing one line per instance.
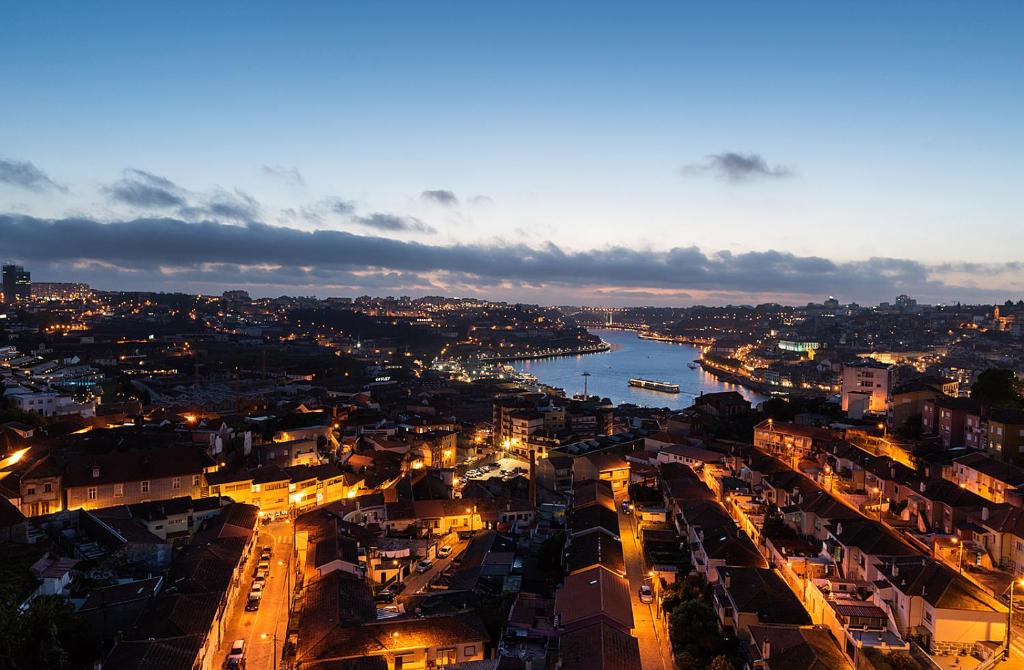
(237, 652)
(646, 594)
(445, 551)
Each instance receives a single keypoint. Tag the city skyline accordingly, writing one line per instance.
(533, 154)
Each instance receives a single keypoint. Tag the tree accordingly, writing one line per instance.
(693, 627)
(998, 387)
(721, 663)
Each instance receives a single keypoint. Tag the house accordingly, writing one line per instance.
(789, 440)
(939, 505)
(857, 546)
(92, 481)
(1006, 433)
(865, 387)
(693, 456)
(338, 623)
(794, 648)
(590, 550)
(947, 418)
(744, 597)
(1002, 537)
(949, 612)
(594, 596)
(599, 646)
(594, 519)
(907, 401)
(606, 466)
(987, 477)
(724, 404)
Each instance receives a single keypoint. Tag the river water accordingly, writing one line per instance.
(632, 357)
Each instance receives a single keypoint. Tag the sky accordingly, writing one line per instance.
(554, 153)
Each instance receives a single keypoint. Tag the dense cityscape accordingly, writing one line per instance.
(191, 481)
(511, 336)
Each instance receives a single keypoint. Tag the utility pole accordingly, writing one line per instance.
(586, 378)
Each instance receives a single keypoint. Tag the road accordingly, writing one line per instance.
(649, 628)
(416, 582)
(257, 628)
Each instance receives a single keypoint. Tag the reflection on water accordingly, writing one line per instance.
(632, 357)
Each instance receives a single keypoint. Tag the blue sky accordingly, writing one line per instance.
(881, 139)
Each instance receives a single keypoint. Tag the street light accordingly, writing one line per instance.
(1009, 615)
(960, 561)
(264, 636)
(879, 492)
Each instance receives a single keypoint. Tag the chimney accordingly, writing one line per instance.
(984, 513)
(727, 580)
(95, 472)
(766, 649)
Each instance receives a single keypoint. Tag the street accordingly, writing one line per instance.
(258, 628)
(415, 582)
(649, 629)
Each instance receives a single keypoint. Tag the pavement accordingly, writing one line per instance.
(649, 628)
(258, 628)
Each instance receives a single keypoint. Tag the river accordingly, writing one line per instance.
(631, 356)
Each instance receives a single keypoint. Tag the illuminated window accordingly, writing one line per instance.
(118, 490)
(145, 486)
(90, 493)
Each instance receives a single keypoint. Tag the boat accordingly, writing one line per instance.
(693, 365)
(654, 385)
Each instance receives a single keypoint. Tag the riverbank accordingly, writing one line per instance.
(546, 353)
(677, 339)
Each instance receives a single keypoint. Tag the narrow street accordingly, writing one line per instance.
(415, 582)
(258, 628)
(649, 629)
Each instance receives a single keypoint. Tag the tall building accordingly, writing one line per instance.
(867, 385)
(17, 284)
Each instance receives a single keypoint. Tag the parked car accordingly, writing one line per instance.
(237, 652)
(268, 550)
(385, 597)
(424, 565)
(263, 566)
(646, 594)
(627, 507)
(445, 551)
(260, 578)
(493, 466)
(256, 591)
(395, 588)
(252, 604)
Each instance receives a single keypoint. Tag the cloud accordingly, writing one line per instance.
(145, 190)
(340, 206)
(394, 224)
(441, 197)
(236, 204)
(736, 167)
(24, 174)
(212, 254)
(290, 176)
(481, 200)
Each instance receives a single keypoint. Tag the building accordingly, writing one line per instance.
(987, 477)
(789, 439)
(17, 283)
(60, 291)
(947, 418)
(866, 387)
(1005, 433)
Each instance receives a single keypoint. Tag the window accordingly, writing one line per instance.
(90, 493)
(928, 616)
(446, 656)
(47, 488)
(145, 486)
(195, 481)
(118, 490)
(30, 491)
(469, 650)
(176, 483)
